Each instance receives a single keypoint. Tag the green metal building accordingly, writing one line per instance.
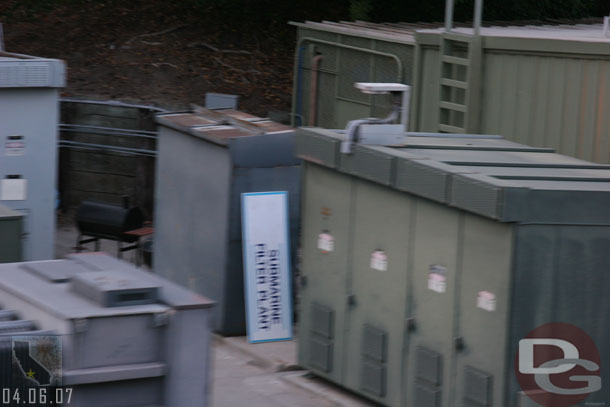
(542, 85)
(340, 54)
(425, 265)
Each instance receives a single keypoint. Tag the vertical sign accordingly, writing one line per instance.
(266, 247)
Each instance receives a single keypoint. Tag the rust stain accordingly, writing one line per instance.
(324, 211)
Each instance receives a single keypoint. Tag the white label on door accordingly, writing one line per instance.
(326, 243)
(13, 189)
(486, 301)
(14, 145)
(437, 278)
(379, 260)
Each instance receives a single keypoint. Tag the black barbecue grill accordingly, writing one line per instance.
(97, 220)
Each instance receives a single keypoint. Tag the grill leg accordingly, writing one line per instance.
(97, 245)
(78, 247)
(119, 253)
(139, 253)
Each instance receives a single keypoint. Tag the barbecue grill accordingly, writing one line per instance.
(97, 220)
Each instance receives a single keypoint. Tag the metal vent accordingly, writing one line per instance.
(374, 344)
(476, 197)
(10, 327)
(318, 149)
(374, 378)
(321, 354)
(427, 397)
(26, 74)
(369, 164)
(374, 356)
(322, 320)
(114, 289)
(321, 344)
(423, 180)
(477, 387)
(429, 366)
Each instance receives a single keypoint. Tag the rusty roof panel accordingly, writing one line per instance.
(189, 119)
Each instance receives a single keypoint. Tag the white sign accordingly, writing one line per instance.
(13, 189)
(486, 301)
(326, 243)
(379, 260)
(437, 279)
(266, 247)
(14, 145)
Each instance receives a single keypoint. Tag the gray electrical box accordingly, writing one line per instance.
(29, 113)
(206, 160)
(127, 337)
(11, 230)
(424, 265)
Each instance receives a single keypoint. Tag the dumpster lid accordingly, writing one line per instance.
(486, 175)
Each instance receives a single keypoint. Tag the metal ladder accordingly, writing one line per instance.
(460, 75)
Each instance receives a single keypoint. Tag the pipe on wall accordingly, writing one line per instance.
(296, 96)
(313, 92)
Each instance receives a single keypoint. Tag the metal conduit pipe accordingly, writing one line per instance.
(313, 93)
(352, 128)
(297, 62)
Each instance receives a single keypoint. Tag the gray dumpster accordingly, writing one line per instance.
(424, 265)
(126, 337)
(205, 161)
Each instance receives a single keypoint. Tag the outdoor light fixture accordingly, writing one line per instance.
(375, 131)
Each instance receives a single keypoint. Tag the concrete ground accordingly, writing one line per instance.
(244, 374)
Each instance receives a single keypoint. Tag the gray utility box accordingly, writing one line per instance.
(128, 337)
(29, 114)
(423, 266)
(11, 231)
(205, 161)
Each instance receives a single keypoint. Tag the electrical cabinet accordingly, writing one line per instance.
(11, 229)
(206, 160)
(29, 113)
(424, 265)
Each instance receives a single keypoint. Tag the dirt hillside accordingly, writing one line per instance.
(154, 52)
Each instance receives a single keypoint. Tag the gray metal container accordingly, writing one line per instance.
(205, 162)
(11, 230)
(423, 266)
(29, 113)
(128, 337)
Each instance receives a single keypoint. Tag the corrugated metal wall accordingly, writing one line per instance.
(541, 99)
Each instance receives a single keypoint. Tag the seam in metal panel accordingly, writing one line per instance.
(421, 180)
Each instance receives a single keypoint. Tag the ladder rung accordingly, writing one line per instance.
(453, 106)
(457, 37)
(454, 84)
(451, 129)
(454, 60)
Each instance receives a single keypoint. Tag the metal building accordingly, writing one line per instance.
(539, 85)
(331, 57)
(534, 83)
(205, 161)
(29, 113)
(126, 337)
(425, 265)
